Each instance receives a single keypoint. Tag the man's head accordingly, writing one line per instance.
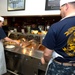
(33, 25)
(1, 21)
(67, 7)
(62, 2)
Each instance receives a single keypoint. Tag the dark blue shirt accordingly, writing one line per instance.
(57, 38)
(2, 34)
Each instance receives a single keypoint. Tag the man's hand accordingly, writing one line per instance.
(17, 42)
(42, 60)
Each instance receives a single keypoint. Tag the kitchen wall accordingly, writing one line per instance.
(32, 8)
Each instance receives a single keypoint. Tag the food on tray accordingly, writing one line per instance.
(9, 43)
(24, 44)
(33, 44)
(41, 47)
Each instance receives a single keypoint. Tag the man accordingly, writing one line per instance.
(2, 57)
(34, 27)
(61, 39)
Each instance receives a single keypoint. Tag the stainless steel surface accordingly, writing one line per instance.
(25, 60)
(24, 63)
(33, 53)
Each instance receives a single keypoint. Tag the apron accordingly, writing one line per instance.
(54, 55)
(2, 59)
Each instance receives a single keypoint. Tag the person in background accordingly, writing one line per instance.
(17, 27)
(4, 37)
(61, 39)
(34, 27)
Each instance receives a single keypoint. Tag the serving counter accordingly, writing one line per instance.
(24, 61)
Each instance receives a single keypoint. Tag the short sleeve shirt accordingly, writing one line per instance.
(2, 34)
(58, 35)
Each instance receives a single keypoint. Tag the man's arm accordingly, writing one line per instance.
(10, 40)
(46, 56)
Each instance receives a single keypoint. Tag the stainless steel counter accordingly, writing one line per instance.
(32, 53)
(24, 62)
